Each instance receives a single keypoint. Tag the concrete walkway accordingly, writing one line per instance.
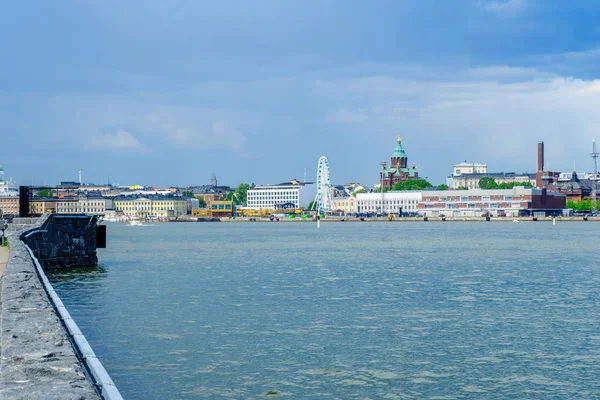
(3, 259)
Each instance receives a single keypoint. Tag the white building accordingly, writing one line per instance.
(469, 168)
(389, 203)
(518, 201)
(274, 196)
(465, 168)
(83, 205)
(7, 188)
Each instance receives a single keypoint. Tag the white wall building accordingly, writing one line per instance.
(464, 168)
(92, 205)
(272, 196)
(469, 168)
(389, 203)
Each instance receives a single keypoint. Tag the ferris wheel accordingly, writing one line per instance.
(323, 197)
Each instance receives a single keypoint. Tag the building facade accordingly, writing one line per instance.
(208, 197)
(41, 206)
(9, 205)
(388, 203)
(274, 196)
(471, 181)
(222, 209)
(398, 171)
(167, 207)
(576, 189)
(469, 168)
(82, 205)
(133, 206)
(343, 205)
(7, 187)
(518, 201)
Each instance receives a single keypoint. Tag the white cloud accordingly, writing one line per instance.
(119, 141)
(492, 114)
(485, 120)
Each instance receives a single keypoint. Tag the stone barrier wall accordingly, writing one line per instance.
(64, 241)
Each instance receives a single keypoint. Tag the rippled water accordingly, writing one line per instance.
(352, 310)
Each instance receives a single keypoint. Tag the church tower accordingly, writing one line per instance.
(399, 159)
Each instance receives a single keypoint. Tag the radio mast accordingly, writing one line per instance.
(594, 156)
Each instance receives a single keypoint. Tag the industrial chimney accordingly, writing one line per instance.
(540, 156)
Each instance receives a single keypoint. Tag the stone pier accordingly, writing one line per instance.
(37, 360)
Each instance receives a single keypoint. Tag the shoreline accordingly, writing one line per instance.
(417, 219)
(372, 219)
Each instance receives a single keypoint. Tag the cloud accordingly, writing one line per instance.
(487, 119)
(492, 114)
(505, 7)
(118, 141)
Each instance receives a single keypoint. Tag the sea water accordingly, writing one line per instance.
(348, 311)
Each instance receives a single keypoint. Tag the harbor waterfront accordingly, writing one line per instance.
(397, 311)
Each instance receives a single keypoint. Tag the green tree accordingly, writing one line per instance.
(487, 183)
(462, 188)
(201, 202)
(241, 193)
(47, 193)
(312, 205)
(412, 184)
(361, 191)
(510, 185)
(581, 205)
(188, 193)
(443, 186)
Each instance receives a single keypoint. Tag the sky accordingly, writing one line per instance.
(168, 93)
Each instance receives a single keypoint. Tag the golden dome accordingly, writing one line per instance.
(399, 140)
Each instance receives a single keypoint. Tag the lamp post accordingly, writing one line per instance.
(383, 168)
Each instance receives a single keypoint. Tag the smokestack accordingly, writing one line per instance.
(540, 156)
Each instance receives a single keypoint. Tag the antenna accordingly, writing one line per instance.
(80, 177)
(594, 154)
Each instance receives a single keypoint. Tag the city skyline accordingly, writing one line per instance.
(151, 93)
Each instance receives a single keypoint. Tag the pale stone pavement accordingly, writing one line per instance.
(3, 259)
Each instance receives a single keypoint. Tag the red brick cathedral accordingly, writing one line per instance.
(398, 170)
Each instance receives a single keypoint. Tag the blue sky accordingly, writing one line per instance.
(166, 93)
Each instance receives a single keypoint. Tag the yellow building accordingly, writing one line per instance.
(41, 206)
(222, 208)
(150, 206)
(201, 212)
(344, 205)
(251, 212)
(165, 207)
(133, 206)
(9, 205)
